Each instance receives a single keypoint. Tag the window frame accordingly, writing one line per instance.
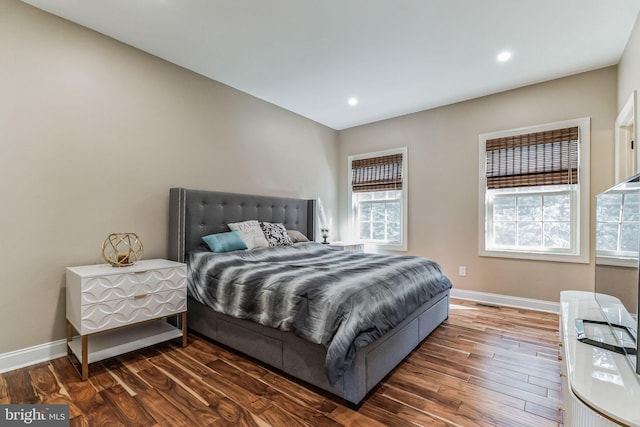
(580, 206)
(616, 258)
(353, 212)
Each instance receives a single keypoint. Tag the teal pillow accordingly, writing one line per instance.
(225, 242)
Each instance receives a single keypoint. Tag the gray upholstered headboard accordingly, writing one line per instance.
(197, 213)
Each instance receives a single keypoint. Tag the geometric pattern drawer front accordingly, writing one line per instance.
(125, 311)
(123, 286)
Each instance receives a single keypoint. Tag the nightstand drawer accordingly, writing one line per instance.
(125, 311)
(122, 286)
(102, 297)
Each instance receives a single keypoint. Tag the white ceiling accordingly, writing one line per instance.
(395, 56)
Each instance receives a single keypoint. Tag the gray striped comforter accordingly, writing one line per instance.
(341, 300)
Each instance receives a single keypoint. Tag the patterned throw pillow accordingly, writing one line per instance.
(276, 234)
(251, 233)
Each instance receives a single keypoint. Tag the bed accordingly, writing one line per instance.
(197, 213)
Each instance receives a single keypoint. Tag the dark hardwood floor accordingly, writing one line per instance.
(483, 367)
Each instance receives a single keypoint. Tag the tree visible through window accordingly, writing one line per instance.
(379, 216)
(532, 220)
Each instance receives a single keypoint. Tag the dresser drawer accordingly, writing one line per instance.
(123, 286)
(114, 313)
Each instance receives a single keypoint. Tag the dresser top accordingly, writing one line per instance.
(602, 379)
(107, 269)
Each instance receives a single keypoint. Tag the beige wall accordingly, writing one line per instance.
(443, 176)
(629, 67)
(93, 134)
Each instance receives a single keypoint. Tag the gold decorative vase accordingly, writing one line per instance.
(122, 249)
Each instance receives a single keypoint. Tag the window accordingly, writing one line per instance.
(379, 215)
(531, 220)
(378, 202)
(534, 192)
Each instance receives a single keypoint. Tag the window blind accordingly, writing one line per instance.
(381, 173)
(533, 159)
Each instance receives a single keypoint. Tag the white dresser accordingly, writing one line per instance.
(599, 388)
(120, 309)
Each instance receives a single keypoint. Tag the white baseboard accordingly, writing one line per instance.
(32, 355)
(506, 300)
(52, 350)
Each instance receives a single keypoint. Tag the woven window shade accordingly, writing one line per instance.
(541, 158)
(382, 173)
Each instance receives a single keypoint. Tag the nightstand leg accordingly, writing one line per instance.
(184, 329)
(85, 357)
(69, 337)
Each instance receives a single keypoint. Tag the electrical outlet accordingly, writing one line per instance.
(462, 270)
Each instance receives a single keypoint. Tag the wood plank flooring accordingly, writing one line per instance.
(483, 367)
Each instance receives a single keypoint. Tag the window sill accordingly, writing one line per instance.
(535, 256)
(617, 262)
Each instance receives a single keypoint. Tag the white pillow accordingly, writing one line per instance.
(251, 233)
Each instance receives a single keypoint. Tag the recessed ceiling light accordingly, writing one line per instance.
(504, 56)
(353, 101)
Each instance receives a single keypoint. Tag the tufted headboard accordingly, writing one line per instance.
(197, 213)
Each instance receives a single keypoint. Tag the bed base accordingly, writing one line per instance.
(305, 361)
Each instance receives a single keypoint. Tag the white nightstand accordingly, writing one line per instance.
(347, 246)
(125, 307)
